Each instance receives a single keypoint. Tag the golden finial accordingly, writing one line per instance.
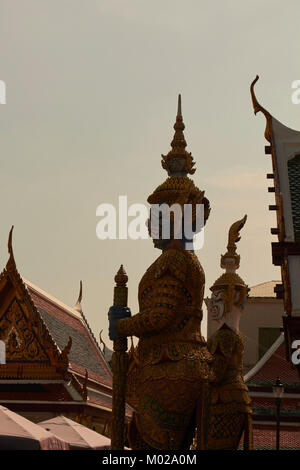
(78, 303)
(179, 106)
(234, 235)
(178, 162)
(11, 259)
(233, 238)
(230, 281)
(257, 107)
(120, 289)
(121, 277)
(10, 249)
(178, 143)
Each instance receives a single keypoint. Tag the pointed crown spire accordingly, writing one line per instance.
(178, 143)
(230, 281)
(178, 162)
(231, 257)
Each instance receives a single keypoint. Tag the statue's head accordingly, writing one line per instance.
(215, 305)
(229, 293)
(179, 211)
(229, 290)
(170, 219)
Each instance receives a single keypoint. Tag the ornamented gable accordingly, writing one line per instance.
(53, 362)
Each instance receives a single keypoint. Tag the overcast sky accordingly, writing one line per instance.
(91, 100)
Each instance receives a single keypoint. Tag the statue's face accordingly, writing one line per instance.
(158, 241)
(162, 230)
(176, 165)
(215, 305)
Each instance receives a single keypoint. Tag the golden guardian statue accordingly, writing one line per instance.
(229, 412)
(169, 368)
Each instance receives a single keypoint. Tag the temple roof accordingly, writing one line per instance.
(52, 356)
(48, 342)
(64, 322)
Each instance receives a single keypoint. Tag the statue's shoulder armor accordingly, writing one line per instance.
(173, 260)
(225, 339)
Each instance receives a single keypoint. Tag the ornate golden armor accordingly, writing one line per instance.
(229, 398)
(170, 362)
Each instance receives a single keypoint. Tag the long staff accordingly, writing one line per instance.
(119, 368)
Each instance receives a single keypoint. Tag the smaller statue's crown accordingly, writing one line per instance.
(231, 260)
(230, 280)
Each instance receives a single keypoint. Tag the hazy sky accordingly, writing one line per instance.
(91, 100)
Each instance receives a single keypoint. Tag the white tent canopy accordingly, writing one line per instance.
(78, 436)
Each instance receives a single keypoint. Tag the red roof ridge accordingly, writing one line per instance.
(50, 298)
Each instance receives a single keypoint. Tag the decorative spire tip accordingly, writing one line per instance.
(258, 108)
(11, 264)
(121, 277)
(178, 162)
(233, 238)
(10, 249)
(78, 303)
(179, 106)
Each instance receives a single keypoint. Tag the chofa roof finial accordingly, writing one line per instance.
(78, 303)
(11, 260)
(257, 107)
